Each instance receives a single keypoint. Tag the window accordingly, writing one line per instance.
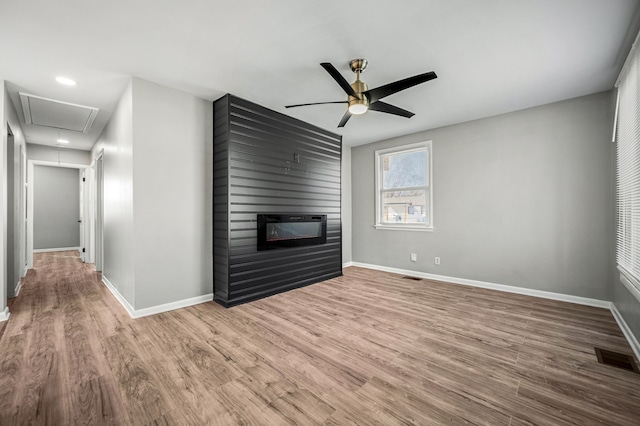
(627, 136)
(403, 188)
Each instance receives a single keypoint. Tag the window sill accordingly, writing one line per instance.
(629, 281)
(403, 228)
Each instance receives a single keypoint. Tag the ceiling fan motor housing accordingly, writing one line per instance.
(359, 104)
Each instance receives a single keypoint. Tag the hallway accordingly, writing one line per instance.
(50, 353)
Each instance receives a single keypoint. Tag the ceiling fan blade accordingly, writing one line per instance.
(390, 109)
(345, 118)
(316, 103)
(339, 79)
(397, 86)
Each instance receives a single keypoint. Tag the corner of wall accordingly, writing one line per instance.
(346, 205)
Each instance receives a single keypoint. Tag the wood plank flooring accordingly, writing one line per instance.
(369, 348)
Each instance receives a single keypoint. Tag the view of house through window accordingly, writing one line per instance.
(403, 187)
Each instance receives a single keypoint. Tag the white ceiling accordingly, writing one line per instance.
(491, 56)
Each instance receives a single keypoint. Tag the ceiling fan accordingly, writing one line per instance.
(361, 98)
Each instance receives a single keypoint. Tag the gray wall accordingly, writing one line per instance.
(172, 194)
(158, 195)
(118, 250)
(346, 204)
(521, 199)
(56, 207)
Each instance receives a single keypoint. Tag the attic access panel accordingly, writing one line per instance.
(46, 112)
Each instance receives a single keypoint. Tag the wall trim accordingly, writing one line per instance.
(166, 307)
(55, 249)
(17, 288)
(493, 286)
(4, 315)
(347, 264)
(118, 296)
(158, 309)
(633, 342)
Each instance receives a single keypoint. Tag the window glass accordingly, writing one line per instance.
(403, 187)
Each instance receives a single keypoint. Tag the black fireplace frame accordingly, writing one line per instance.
(265, 219)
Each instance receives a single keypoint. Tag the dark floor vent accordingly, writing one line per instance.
(617, 359)
(407, 277)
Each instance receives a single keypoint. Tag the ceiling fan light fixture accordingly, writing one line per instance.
(358, 108)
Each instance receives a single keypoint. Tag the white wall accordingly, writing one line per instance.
(116, 141)
(59, 155)
(172, 192)
(8, 115)
(521, 199)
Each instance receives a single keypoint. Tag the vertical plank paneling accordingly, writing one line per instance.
(268, 162)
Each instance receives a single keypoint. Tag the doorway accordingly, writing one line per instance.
(51, 235)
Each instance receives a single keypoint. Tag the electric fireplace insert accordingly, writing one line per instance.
(291, 230)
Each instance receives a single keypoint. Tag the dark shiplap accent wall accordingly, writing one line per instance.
(255, 172)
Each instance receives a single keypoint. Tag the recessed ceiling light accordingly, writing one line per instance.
(64, 141)
(66, 81)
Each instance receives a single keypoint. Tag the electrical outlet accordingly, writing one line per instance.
(414, 257)
(437, 260)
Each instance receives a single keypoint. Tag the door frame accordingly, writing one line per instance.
(23, 211)
(97, 232)
(30, 181)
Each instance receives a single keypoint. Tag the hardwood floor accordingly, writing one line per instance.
(369, 348)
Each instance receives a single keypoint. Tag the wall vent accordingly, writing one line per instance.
(40, 111)
(617, 359)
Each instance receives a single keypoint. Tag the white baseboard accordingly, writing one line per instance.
(18, 287)
(24, 272)
(118, 296)
(173, 305)
(155, 309)
(633, 342)
(492, 286)
(4, 315)
(55, 249)
(347, 264)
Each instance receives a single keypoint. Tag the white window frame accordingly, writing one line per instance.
(627, 170)
(379, 154)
